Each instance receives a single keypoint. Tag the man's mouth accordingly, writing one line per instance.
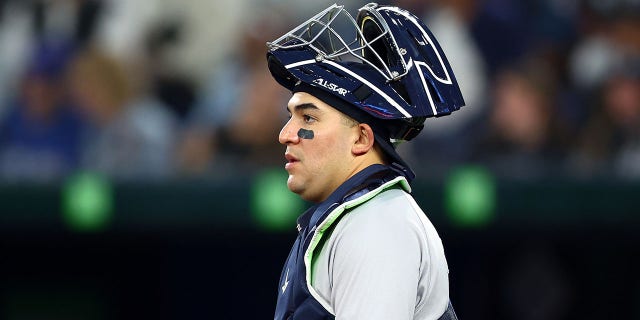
(291, 160)
(290, 157)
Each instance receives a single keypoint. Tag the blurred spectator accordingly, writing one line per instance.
(172, 40)
(610, 40)
(75, 20)
(605, 66)
(501, 29)
(23, 24)
(240, 110)
(524, 137)
(40, 136)
(449, 21)
(611, 138)
(131, 134)
(207, 31)
(15, 38)
(445, 141)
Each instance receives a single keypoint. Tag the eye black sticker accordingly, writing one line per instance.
(305, 134)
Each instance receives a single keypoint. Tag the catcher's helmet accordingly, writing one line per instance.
(385, 63)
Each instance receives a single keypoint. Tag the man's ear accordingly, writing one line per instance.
(365, 140)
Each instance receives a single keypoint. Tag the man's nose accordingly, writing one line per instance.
(288, 134)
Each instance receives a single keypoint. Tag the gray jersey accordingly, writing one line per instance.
(383, 260)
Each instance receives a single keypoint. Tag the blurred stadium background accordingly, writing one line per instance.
(140, 176)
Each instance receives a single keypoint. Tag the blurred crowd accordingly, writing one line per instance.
(157, 89)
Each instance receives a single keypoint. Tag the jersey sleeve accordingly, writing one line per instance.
(374, 264)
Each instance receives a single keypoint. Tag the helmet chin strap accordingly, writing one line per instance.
(404, 171)
(395, 160)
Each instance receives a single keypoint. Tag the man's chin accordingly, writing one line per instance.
(298, 188)
(293, 185)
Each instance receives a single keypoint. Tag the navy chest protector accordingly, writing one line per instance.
(297, 300)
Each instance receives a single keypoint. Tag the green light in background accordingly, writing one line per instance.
(274, 207)
(470, 197)
(87, 202)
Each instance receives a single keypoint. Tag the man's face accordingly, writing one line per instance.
(319, 147)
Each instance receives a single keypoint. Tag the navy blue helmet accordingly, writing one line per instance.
(384, 62)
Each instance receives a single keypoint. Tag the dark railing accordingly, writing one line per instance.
(228, 204)
(560, 249)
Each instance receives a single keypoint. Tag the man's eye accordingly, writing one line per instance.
(308, 118)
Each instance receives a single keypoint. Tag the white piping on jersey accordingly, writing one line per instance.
(329, 220)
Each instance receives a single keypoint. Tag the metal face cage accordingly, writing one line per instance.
(335, 35)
